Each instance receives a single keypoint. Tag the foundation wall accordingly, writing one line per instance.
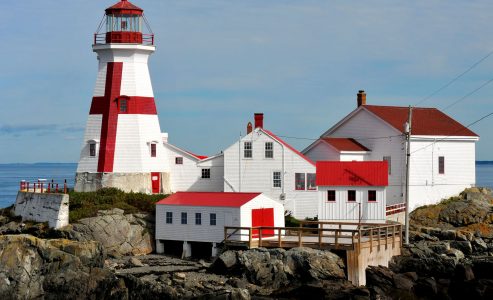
(43, 207)
(127, 182)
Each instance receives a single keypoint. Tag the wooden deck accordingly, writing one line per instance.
(326, 235)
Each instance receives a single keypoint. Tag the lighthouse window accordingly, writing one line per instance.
(153, 150)
(123, 105)
(92, 149)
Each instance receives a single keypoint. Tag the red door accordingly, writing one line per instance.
(263, 217)
(155, 182)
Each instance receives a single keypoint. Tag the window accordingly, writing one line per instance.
(123, 105)
(206, 173)
(351, 195)
(441, 165)
(310, 181)
(247, 150)
(388, 159)
(179, 160)
(198, 219)
(276, 179)
(92, 149)
(153, 150)
(169, 217)
(269, 150)
(213, 219)
(331, 195)
(372, 196)
(184, 218)
(299, 181)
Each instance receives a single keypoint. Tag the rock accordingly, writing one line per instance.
(463, 246)
(479, 245)
(416, 236)
(135, 262)
(463, 235)
(426, 287)
(455, 253)
(475, 209)
(33, 268)
(179, 276)
(464, 272)
(448, 235)
(440, 247)
(319, 265)
(439, 266)
(404, 281)
(483, 267)
(120, 234)
(225, 262)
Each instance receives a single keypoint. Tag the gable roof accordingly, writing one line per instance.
(345, 144)
(196, 155)
(425, 121)
(352, 173)
(221, 199)
(288, 146)
(190, 154)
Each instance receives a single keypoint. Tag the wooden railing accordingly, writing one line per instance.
(43, 187)
(331, 235)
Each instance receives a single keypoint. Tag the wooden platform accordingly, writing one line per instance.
(365, 244)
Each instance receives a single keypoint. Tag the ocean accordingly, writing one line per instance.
(12, 174)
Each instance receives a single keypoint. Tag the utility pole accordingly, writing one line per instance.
(408, 130)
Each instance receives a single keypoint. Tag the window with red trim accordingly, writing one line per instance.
(351, 195)
(153, 150)
(299, 181)
(310, 181)
(123, 105)
(372, 196)
(331, 195)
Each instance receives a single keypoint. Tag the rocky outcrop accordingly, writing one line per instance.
(278, 268)
(32, 268)
(120, 234)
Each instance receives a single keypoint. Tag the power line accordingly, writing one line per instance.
(436, 141)
(469, 94)
(454, 79)
(355, 138)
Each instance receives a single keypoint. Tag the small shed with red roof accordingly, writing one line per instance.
(200, 217)
(352, 191)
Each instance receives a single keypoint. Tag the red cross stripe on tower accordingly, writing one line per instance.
(107, 106)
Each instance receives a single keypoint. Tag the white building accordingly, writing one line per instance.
(192, 172)
(262, 162)
(442, 150)
(352, 191)
(201, 217)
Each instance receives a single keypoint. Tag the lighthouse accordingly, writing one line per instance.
(123, 143)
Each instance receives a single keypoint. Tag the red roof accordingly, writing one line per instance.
(196, 155)
(124, 5)
(426, 121)
(352, 173)
(223, 199)
(289, 146)
(345, 144)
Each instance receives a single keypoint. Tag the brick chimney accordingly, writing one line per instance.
(361, 98)
(259, 120)
(249, 127)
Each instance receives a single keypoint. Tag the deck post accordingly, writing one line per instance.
(359, 239)
(371, 240)
(300, 243)
(400, 233)
(249, 238)
(320, 232)
(386, 236)
(279, 239)
(393, 236)
(260, 237)
(337, 237)
(225, 233)
(379, 237)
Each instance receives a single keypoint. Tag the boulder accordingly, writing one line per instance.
(35, 268)
(464, 246)
(120, 234)
(482, 267)
(479, 245)
(474, 209)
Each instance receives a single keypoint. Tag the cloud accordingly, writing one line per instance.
(38, 129)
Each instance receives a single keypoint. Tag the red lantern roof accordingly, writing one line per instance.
(124, 7)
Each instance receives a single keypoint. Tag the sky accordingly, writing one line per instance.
(217, 62)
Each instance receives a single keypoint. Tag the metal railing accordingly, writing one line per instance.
(395, 208)
(42, 186)
(147, 39)
(331, 235)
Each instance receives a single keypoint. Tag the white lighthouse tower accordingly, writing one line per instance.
(123, 143)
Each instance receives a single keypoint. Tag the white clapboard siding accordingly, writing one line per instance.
(364, 124)
(89, 163)
(322, 151)
(426, 184)
(342, 210)
(134, 136)
(257, 173)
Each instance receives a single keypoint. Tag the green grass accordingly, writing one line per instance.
(85, 205)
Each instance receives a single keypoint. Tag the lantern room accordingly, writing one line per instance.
(124, 25)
